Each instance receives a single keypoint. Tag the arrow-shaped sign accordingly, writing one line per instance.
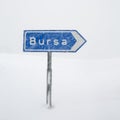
(52, 41)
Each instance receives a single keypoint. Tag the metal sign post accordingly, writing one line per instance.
(49, 79)
(52, 41)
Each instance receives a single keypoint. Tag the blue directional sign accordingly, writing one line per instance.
(52, 40)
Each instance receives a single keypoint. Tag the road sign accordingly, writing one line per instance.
(52, 41)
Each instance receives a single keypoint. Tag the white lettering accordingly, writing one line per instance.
(48, 41)
(32, 40)
(56, 42)
(41, 42)
(64, 42)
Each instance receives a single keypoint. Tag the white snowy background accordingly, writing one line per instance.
(86, 84)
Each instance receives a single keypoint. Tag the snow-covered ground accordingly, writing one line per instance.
(83, 89)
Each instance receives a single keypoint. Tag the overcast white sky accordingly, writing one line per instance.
(96, 20)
